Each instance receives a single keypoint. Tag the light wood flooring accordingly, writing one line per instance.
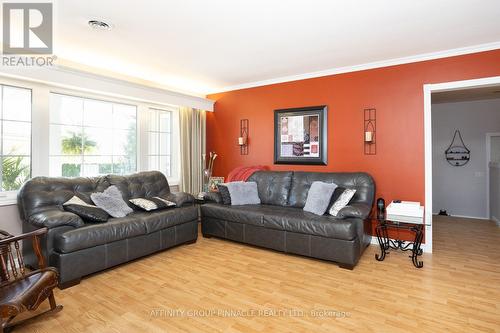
(458, 290)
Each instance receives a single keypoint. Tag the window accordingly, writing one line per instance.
(15, 137)
(160, 141)
(91, 137)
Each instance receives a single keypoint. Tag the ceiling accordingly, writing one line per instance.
(462, 95)
(199, 46)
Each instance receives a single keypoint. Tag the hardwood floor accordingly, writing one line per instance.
(458, 290)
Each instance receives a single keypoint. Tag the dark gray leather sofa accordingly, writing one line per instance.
(77, 249)
(280, 223)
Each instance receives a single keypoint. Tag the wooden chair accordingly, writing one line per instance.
(22, 290)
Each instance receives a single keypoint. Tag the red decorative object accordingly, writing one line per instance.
(243, 173)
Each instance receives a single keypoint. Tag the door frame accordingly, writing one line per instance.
(428, 90)
(488, 158)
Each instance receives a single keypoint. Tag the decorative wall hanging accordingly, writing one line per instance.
(370, 131)
(243, 138)
(457, 153)
(300, 135)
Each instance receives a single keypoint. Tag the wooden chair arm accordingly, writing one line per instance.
(9, 238)
(35, 235)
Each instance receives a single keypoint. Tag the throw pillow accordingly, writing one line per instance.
(342, 201)
(335, 196)
(77, 201)
(88, 213)
(224, 192)
(318, 197)
(111, 200)
(243, 193)
(180, 198)
(149, 204)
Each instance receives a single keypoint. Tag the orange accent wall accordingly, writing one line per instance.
(397, 94)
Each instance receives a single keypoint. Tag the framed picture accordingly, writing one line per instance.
(300, 135)
(213, 183)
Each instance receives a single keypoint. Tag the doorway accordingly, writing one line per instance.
(493, 176)
(457, 89)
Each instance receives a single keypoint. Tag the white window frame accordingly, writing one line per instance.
(143, 138)
(83, 126)
(10, 197)
(40, 124)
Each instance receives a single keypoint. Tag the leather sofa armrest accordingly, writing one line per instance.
(357, 210)
(180, 198)
(213, 197)
(54, 217)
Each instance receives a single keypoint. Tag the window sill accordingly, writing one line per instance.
(8, 201)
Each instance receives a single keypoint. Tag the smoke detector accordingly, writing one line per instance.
(100, 25)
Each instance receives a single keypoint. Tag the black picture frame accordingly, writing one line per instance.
(301, 151)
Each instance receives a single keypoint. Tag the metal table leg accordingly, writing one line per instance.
(416, 249)
(383, 241)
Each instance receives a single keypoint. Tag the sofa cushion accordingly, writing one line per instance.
(97, 234)
(247, 214)
(179, 198)
(43, 193)
(273, 186)
(162, 219)
(362, 182)
(298, 221)
(141, 185)
(52, 218)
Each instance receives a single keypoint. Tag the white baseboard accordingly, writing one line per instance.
(469, 217)
(374, 241)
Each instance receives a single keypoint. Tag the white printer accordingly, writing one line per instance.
(405, 211)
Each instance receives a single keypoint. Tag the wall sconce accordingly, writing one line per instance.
(243, 138)
(369, 131)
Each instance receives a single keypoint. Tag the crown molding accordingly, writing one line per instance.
(366, 66)
(75, 79)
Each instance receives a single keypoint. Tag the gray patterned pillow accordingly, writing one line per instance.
(154, 203)
(342, 201)
(111, 201)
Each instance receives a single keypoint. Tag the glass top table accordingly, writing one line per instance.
(416, 226)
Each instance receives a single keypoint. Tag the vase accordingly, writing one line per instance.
(207, 173)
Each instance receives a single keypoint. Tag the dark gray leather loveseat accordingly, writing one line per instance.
(280, 223)
(77, 249)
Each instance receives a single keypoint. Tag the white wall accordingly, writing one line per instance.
(9, 219)
(462, 190)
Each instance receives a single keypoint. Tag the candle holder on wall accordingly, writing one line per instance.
(369, 131)
(243, 138)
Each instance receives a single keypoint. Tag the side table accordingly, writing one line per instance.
(385, 243)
